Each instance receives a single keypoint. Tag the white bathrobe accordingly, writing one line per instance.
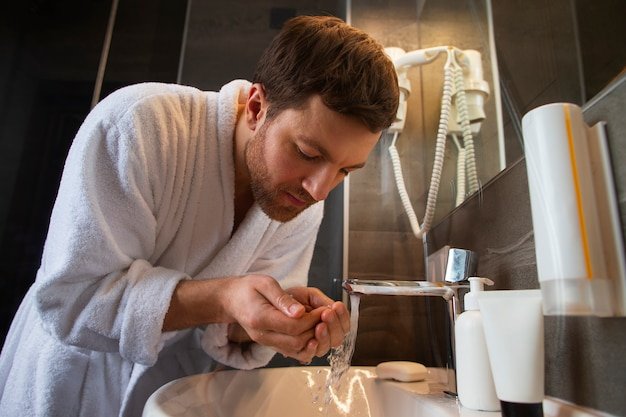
(146, 200)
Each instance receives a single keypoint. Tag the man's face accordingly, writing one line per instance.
(296, 158)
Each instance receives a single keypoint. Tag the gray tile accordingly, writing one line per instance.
(393, 255)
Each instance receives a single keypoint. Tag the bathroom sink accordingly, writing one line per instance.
(302, 392)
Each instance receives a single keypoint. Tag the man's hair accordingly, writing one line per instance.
(326, 56)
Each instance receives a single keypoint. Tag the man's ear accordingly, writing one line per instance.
(256, 106)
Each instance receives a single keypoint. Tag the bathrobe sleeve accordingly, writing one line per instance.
(286, 257)
(96, 288)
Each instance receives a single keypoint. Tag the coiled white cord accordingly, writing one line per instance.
(460, 172)
(404, 196)
(466, 161)
(468, 140)
(440, 148)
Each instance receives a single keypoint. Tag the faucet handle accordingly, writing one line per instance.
(461, 265)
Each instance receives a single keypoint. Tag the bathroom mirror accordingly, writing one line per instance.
(554, 51)
(541, 52)
(381, 238)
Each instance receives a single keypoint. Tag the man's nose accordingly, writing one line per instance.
(320, 183)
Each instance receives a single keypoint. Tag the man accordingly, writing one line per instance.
(185, 223)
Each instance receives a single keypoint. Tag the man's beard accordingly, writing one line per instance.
(269, 198)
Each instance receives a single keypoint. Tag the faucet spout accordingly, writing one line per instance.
(448, 291)
(410, 288)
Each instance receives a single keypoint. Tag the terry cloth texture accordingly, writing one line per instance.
(146, 200)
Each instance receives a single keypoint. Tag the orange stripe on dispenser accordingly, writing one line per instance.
(579, 198)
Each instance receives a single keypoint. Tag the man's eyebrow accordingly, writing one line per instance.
(313, 144)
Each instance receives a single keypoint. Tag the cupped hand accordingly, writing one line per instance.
(272, 317)
(335, 319)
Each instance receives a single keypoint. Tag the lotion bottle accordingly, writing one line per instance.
(475, 385)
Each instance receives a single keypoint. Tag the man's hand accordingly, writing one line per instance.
(335, 323)
(270, 316)
(300, 323)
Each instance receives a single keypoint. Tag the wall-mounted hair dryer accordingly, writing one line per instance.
(462, 111)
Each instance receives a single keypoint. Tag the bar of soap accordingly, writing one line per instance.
(402, 371)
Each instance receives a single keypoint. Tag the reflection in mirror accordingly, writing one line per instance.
(432, 158)
(547, 51)
(461, 116)
(554, 51)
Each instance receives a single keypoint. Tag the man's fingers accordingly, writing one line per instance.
(311, 297)
(302, 347)
(283, 301)
(300, 323)
(275, 321)
(336, 332)
(323, 338)
(343, 314)
(289, 306)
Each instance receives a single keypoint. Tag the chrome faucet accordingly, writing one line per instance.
(453, 264)
(447, 271)
(449, 292)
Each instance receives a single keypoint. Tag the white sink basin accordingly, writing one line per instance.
(301, 392)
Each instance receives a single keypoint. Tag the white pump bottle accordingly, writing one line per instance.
(475, 384)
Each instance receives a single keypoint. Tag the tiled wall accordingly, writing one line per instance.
(381, 242)
(224, 39)
(585, 361)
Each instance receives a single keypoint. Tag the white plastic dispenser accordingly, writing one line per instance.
(475, 385)
(578, 238)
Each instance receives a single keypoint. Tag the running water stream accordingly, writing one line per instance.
(341, 356)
